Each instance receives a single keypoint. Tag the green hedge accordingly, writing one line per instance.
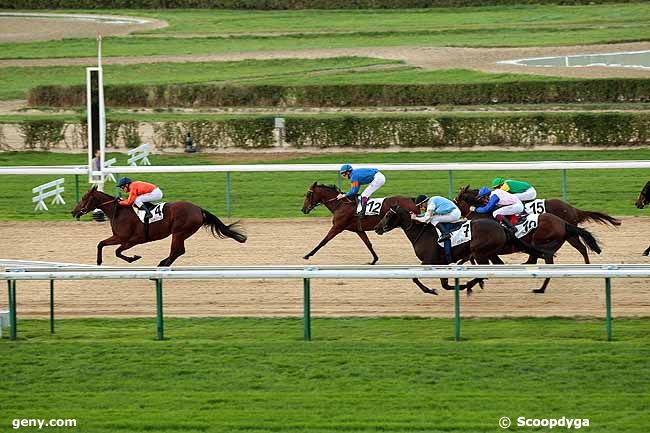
(279, 4)
(206, 95)
(406, 131)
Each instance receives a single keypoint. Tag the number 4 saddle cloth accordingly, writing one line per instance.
(156, 212)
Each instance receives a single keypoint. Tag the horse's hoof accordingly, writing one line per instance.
(538, 291)
(433, 292)
(305, 257)
(481, 284)
(136, 258)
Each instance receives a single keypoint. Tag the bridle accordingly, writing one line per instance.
(312, 206)
(84, 210)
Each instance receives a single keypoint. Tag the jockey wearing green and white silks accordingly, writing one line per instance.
(438, 210)
(522, 190)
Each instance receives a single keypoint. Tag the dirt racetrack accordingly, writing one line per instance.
(283, 242)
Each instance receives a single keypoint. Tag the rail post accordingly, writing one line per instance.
(608, 307)
(457, 309)
(306, 310)
(160, 333)
(228, 194)
(12, 309)
(565, 195)
(76, 187)
(51, 306)
(451, 185)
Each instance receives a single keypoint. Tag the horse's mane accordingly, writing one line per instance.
(102, 193)
(330, 187)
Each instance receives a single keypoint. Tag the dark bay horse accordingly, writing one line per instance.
(344, 214)
(550, 234)
(488, 237)
(181, 220)
(568, 213)
(644, 199)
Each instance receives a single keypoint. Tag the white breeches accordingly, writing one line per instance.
(513, 209)
(451, 217)
(528, 195)
(154, 195)
(373, 186)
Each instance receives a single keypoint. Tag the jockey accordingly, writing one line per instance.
(361, 176)
(438, 210)
(501, 204)
(523, 190)
(139, 193)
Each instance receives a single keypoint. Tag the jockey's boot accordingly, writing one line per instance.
(444, 234)
(505, 222)
(364, 204)
(147, 217)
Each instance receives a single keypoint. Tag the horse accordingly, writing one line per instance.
(550, 234)
(644, 199)
(567, 212)
(180, 219)
(344, 214)
(488, 237)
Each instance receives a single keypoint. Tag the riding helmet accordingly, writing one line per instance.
(345, 168)
(498, 181)
(484, 191)
(124, 181)
(421, 199)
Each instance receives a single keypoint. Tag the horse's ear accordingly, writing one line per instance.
(314, 184)
(94, 188)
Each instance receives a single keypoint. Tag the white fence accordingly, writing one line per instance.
(42, 192)
(140, 153)
(306, 273)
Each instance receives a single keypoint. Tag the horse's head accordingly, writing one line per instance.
(644, 196)
(394, 217)
(467, 197)
(89, 202)
(316, 195)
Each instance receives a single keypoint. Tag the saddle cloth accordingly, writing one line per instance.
(526, 224)
(462, 232)
(373, 207)
(536, 207)
(156, 212)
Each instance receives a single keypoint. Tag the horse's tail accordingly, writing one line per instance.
(586, 237)
(599, 217)
(221, 230)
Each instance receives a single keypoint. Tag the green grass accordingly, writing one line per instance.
(274, 195)
(18, 80)
(505, 37)
(358, 375)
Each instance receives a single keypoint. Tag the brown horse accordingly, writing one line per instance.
(344, 212)
(644, 199)
(550, 234)
(488, 238)
(568, 213)
(180, 219)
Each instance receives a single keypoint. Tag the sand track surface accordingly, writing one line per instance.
(284, 242)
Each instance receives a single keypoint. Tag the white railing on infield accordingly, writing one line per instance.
(459, 166)
(140, 153)
(42, 192)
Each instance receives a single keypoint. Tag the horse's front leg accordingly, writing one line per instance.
(335, 230)
(124, 247)
(646, 252)
(364, 238)
(444, 282)
(113, 240)
(424, 288)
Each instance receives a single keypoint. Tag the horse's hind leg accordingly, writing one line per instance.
(576, 243)
(177, 249)
(424, 288)
(549, 261)
(113, 240)
(124, 247)
(646, 252)
(364, 238)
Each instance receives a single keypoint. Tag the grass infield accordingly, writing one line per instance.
(280, 195)
(358, 375)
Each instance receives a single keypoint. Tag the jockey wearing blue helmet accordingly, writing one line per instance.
(500, 203)
(361, 176)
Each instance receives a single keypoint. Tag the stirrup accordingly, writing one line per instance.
(444, 237)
